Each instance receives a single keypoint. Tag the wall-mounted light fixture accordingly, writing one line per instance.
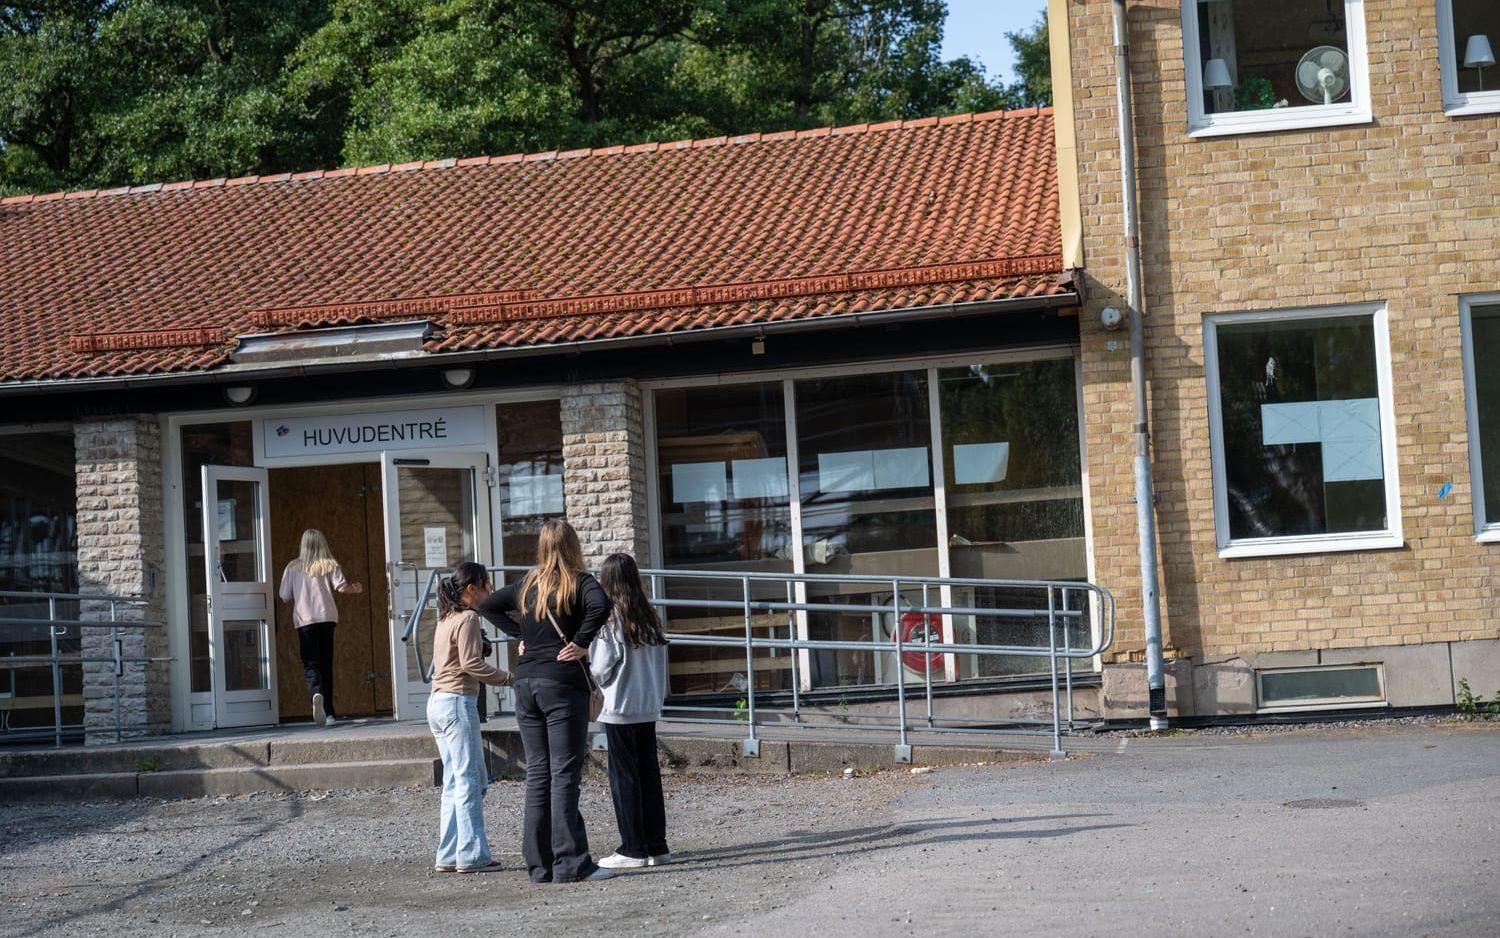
(758, 345)
(459, 378)
(239, 394)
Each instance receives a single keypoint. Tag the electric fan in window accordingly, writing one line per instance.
(1323, 74)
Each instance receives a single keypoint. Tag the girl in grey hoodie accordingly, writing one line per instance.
(628, 659)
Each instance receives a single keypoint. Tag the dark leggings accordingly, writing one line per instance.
(316, 646)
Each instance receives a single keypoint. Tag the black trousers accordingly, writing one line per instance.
(553, 718)
(635, 782)
(315, 643)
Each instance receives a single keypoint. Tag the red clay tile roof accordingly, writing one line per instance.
(537, 248)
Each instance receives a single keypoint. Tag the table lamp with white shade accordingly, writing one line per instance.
(1478, 55)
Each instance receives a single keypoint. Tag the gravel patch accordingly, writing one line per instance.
(360, 862)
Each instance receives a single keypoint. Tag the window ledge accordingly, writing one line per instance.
(1488, 103)
(1261, 122)
(1488, 536)
(1313, 544)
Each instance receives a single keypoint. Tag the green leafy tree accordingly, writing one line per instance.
(1033, 84)
(104, 92)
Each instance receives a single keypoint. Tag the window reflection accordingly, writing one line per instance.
(216, 444)
(864, 447)
(725, 505)
(1014, 499)
(531, 475)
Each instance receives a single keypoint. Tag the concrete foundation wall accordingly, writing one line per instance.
(1424, 675)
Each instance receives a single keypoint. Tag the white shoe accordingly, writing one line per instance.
(661, 859)
(600, 873)
(320, 715)
(617, 862)
(329, 721)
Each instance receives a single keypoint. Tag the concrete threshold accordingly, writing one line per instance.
(385, 754)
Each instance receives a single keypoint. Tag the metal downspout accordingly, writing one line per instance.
(1145, 499)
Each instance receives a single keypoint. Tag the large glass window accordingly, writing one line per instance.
(1468, 34)
(1482, 365)
(724, 492)
(1273, 64)
(1013, 486)
(1301, 442)
(864, 448)
(38, 554)
(214, 444)
(531, 475)
(863, 492)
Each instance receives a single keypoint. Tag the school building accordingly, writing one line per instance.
(893, 348)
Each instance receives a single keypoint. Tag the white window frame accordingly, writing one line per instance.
(1354, 111)
(1487, 533)
(1458, 103)
(1282, 545)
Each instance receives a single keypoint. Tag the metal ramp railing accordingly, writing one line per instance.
(56, 621)
(764, 597)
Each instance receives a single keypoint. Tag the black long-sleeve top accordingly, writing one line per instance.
(507, 611)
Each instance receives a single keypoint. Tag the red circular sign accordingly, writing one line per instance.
(917, 628)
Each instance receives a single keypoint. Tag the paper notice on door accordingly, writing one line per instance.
(435, 547)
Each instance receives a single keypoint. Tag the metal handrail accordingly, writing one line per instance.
(57, 629)
(1057, 652)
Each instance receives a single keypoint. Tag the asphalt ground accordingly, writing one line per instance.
(1350, 831)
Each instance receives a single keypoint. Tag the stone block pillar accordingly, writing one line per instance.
(604, 468)
(121, 553)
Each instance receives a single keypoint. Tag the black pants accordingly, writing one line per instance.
(635, 782)
(316, 646)
(554, 721)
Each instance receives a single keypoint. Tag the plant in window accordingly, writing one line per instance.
(1255, 94)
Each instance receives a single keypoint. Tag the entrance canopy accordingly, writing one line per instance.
(535, 250)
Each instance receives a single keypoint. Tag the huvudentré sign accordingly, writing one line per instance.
(329, 434)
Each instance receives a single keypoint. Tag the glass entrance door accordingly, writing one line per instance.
(437, 514)
(240, 596)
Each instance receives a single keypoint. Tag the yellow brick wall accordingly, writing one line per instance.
(1402, 210)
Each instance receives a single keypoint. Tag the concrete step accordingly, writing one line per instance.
(400, 755)
(238, 780)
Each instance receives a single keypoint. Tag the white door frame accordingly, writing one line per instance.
(409, 698)
(238, 601)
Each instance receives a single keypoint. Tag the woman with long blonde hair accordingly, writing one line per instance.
(556, 610)
(308, 583)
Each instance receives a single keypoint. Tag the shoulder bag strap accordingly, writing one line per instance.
(587, 676)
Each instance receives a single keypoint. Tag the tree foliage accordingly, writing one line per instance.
(108, 92)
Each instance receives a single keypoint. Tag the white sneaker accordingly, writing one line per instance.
(600, 873)
(617, 862)
(661, 859)
(320, 715)
(329, 721)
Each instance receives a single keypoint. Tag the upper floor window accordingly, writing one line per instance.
(1468, 35)
(1258, 65)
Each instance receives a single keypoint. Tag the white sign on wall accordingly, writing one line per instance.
(435, 547)
(328, 434)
